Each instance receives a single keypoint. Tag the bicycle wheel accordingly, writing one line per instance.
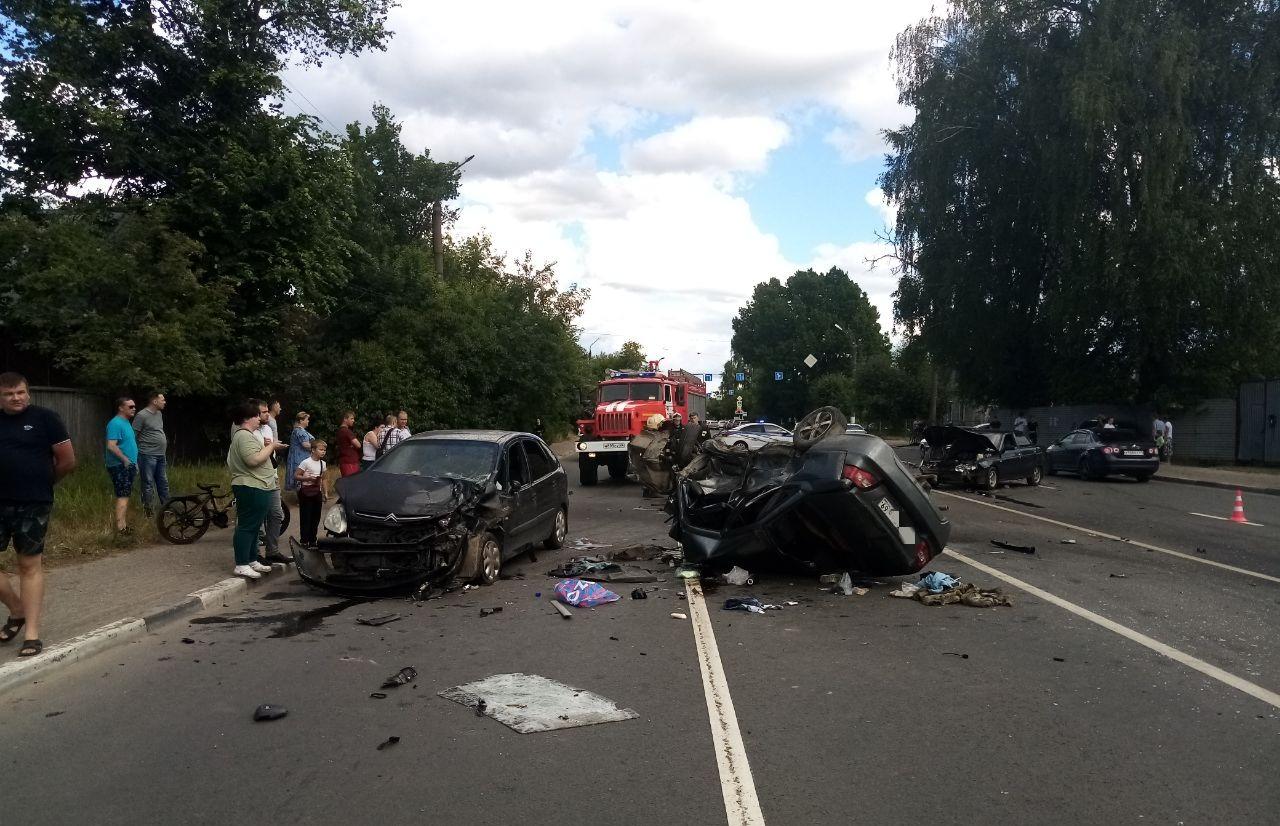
(182, 520)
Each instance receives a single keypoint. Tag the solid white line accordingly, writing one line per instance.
(1225, 677)
(1095, 533)
(741, 804)
(1225, 519)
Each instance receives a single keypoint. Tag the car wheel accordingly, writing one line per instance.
(490, 559)
(817, 425)
(556, 540)
(1085, 469)
(992, 480)
(1034, 477)
(742, 446)
(1143, 477)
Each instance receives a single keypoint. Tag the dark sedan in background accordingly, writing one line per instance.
(442, 505)
(1096, 453)
(980, 458)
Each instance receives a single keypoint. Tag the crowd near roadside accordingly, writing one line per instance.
(36, 453)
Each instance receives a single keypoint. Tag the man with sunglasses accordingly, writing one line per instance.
(122, 459)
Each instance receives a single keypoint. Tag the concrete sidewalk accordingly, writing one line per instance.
(1254, 481)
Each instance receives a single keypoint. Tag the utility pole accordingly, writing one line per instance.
(437, 224)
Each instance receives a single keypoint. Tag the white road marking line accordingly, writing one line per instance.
(1095, 533)
(1048, 487)
(1225, 677)
(1225, 519)
(741, 804)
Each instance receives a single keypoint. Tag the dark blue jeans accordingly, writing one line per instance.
(154, 471)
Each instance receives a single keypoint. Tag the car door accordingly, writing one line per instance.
(1007, 464)
(1080, 443)
(542, 483)
(523, 499)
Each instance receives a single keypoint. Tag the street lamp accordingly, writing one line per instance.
(853, 345)
(437, 223)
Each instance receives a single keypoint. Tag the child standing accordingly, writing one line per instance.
(312, 491)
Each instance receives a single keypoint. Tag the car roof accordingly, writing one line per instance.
(494, 436)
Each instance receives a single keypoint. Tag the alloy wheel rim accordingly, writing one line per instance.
(490, 559)
(560, 529)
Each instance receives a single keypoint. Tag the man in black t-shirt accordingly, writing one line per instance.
(35, 452)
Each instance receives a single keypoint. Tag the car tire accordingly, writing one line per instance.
(742, 446)
(558, 531)
(617, 468)
(490, 559)
(1143, 477)
(992, 480)
(586, 471)
(1086, 469)
(817, 425)
(1035, 476)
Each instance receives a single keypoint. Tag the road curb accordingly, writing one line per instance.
(13, 674)
(1205, 483)
(23, 671)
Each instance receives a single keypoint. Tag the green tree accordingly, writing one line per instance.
(1088, 197)
(826, 315)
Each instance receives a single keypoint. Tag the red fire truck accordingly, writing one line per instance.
(623, 402)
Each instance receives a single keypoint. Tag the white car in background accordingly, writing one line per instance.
(756, 435)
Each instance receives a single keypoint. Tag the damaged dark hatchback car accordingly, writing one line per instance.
(831, 501)
(442, 506)
(980, 458)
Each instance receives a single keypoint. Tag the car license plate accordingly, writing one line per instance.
(1134, 453)
(615, 445)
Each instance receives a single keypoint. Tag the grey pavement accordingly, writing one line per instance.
(1259, 481)
(867, 709)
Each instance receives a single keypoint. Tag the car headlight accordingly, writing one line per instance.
(335, 521)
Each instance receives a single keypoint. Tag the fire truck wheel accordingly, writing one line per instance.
(587, 471)
(617, 467)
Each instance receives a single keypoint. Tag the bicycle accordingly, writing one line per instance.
(184, 519)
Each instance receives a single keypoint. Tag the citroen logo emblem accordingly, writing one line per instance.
(390, 518)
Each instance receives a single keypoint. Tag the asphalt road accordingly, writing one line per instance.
(851, 709)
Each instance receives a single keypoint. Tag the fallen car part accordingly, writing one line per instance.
(559, 606)
(601, 571)
(488, 612)
(376, 621)
(1022, 549)
(678, 615)
(269, 712)
(751, 604)
(639, 593)
(378, 695)
(404, 676)
(388, 743)
(530, 703)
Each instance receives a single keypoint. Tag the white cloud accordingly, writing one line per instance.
(709, 144)
(535, 91)
(876, 199)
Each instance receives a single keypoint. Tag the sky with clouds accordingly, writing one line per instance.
(667, 155)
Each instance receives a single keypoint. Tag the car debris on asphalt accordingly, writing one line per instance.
(488, 612)
(376, 621)
(404, 676)
(751, 604)
(529, 703)
(599, 570)
(388, 743)
(639, 593)
(1022, 549)
(266, 711)
(936, 588)
(561, 609)
(737, 576)
(679, 616)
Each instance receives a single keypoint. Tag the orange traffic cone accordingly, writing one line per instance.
(1237, 512)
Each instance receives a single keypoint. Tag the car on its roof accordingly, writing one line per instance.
(441, 505)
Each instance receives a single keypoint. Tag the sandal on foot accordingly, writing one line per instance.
(11, 628)
(30, 648)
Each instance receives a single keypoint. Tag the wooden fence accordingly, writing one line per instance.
(84, 414)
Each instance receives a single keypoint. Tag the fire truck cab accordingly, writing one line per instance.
(623, 402)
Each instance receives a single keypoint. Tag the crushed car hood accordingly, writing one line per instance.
(403, 494)
(962, 439)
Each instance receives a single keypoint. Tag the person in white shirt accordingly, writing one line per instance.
(266, 434)
(1020, 424)
(312, 492)
(1168, 439)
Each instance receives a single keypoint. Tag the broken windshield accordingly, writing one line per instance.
(469, 460)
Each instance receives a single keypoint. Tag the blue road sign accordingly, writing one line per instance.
(777, 375)
(706, 376)
(740, 376)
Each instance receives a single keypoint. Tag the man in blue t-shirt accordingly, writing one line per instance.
(122, 458)
(35, 453)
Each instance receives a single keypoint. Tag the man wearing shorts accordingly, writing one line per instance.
(35, 452)
(121, 457)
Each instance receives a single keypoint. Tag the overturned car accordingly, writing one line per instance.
(980, 458)
(441, 506)
(830, 501)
